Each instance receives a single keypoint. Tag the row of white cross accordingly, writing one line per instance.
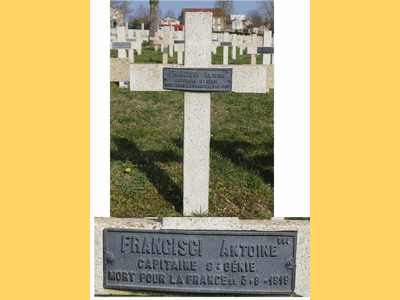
(167, 41)
(198, 46)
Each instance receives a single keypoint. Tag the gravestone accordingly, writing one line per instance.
(165, 56)
(267, 42)
(122, 46)
(241, 45)
(225, 46)
(171, 42)
(179, 48)
(234, 45)
(197, 118)
(252, 48)
(121, 38)
(131, 50)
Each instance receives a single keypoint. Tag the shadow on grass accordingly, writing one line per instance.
(230, 150)
(145, 161)
(257, 164)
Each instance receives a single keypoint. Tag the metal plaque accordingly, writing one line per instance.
(240, 262)
(131, 40)
(265, 50)
(179, 41)
(226, 44)
(121, 45)
(197, 80)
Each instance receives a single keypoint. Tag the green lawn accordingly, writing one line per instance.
(152, 57)
(147, 136)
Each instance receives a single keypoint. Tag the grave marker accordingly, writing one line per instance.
(200, 261)
(179, 48)
(225, 46)
(171, 42)
(234, 45)
(165, 56)
(197, 116)
(241, 45)
(267, 42)
(122, 45)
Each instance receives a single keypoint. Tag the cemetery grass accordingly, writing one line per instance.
(149, 56)
(147, 138)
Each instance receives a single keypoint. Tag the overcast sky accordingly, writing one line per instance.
(241, 7)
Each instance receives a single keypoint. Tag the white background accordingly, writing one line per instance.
(292, 112)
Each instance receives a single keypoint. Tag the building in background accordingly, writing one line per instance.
(169, 21)
(218, 21)
(116, 17)
(238, 17)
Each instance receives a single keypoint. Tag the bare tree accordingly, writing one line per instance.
(122, 6)
(170, 13)
(267, 9)
(255, 17)
(142, 15)
(153, 19)
(226, 6)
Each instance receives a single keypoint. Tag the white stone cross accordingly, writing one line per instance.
(252, 48)
(234, 45)
(267, 42)
(171, 41)
(121, 37)
(225, 46)
(179, 46)
(241, 45)
(197, 116)
(165, 56)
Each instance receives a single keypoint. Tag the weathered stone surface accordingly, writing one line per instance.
(270, 76)
(119, 69)
(148, 77)
(302, 228)
(198, 40)
(267, 42)
(225, 55)
(197, 116)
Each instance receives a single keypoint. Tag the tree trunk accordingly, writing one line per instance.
(153, 20)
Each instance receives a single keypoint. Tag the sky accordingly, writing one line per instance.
(240, 7)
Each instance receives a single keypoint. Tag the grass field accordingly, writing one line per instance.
(152, 57)
(147, 137)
